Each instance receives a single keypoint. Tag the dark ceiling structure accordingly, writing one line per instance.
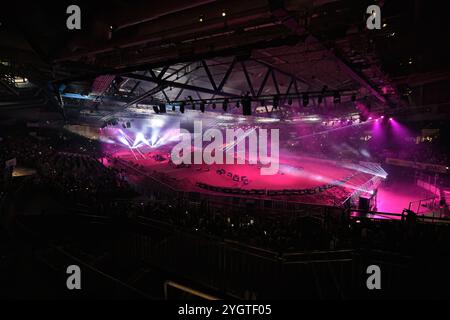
(152, 52)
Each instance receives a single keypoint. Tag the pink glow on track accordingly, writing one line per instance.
(295, 173)
(396, 197)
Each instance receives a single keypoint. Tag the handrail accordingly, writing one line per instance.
(83, 263)
(373, 213)
(420, 203)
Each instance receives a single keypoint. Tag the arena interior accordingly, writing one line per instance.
(352, 121)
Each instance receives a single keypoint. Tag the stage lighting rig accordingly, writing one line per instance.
(182, 105)
(247, 105)
(191, 102)
(305, 98)
(336, 97)
(320, 99)
(276, 102)
(202, 106)
(225, 105)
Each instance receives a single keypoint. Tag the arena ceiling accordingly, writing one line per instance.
(152, 51)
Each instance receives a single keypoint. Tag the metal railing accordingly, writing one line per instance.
(423, 206)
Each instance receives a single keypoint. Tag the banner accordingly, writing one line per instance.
(417, 165)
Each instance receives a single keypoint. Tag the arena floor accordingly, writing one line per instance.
(295, 172)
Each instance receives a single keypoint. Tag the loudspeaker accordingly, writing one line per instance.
(364, 204)
(247, 106)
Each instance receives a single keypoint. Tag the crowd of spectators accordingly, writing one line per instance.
(357, 143)
(70, 166)
(82, 179)
(67, 165)
(423, 152)
(284, 233)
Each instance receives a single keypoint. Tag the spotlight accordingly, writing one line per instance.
(247, 105)
(182, 106)
(390, 119)
(201, 18)
(276, 102)
(162, 107)
(202, 106)
(336, 97)
(192, 102)
(225, 105)
(370, 118)
(320, 99)
(128, 124)
(173, 108)
(224, 14)
(305, 98)
(156, 109)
